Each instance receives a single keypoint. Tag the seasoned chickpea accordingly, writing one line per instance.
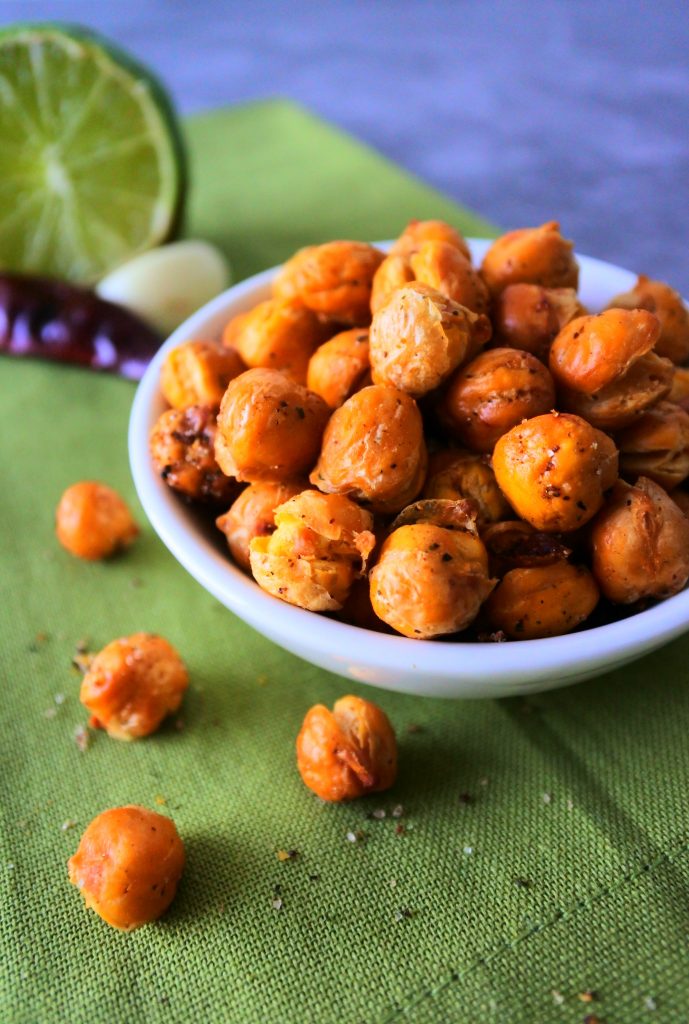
(640, 544)
(458, 474)
(446, 269)
(605, 368)
(394, 272)
(340, 366)
(419, 231)
(252, 514)
(128, 866)
(333, 279)
(182, 450)
(668, 306)
(532, 256)
(347, 752)
(319, 547)
(197, 373)
(529, 316)
(280, 335)
(419, 337)
(554, 470)
(548, 600)
(269, 427)
(431, 576)
(679, 392)
(493, 393)
(93, 522)
(373, 450)
(514, 544)
(133, 684)
(657, 446)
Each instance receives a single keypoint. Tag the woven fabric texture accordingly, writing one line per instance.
(541, 872)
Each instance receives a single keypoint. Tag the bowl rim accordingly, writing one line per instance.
(510, 661)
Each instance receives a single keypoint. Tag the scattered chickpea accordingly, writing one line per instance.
(128, 866)
(252, 514)
(182, 447)
(531, 256)
(197, 373)
(333, 279)
(133, 684)
(93, 522)
(347, 752)
(668, 306)
(340, 366)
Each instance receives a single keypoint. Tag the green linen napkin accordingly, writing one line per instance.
(532, 864)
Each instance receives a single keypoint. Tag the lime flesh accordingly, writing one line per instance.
(91, 163)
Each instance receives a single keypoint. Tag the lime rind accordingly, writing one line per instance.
(92, 167)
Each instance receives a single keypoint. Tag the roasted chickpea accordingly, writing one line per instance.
(419, 337)
(394, 272)
(446, 269)
(333, 279)
(548, 600)
(605, 368)
(532, 256)
(319, 547)
(457, 474)
(373, 450)
(529, 316)
(493, 393)
(347, 752)
(657, 446)
(640, 544)
(679, 392)
(431, 576)
(128, 866)
(269, 427)
(668, 306)
(419, 231)
(280, 335)
(340, 366)
(133, 684)
(197, 373)
(554, 470)
(252, 514)
(93, 522)
(514, 544)
(182, 450)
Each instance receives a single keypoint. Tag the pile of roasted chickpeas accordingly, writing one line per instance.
(415, 444)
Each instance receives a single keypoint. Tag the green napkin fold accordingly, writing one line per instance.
(539, 866)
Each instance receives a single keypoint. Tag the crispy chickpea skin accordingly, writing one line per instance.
(133, 684)
(182, 449)
(548, 600)
(529, 316)
(394, 272)
(128, 866)
(419, 337)
(668, 306)
(431, 576)
(457, 474)
(93, 522)
(531, 256)
(319, 547)
(347, 752)
(373, 450)
(280, 335)
(269, 427)
(340, 366)
(554, 470)
(252, 514)
(640, 542)
(333, 279)
(444, 267)
(514, 544)
(493, 393)
(605, 368)
(419, 231)
(197, 373)
(679, 392)
(657, 446)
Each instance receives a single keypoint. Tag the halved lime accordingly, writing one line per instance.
(92, 167)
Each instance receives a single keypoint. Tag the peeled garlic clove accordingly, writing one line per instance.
(167, 284)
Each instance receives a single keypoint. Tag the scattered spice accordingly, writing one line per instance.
(402, 913)
(66, 825)
(484, 781)
(588, 996)
(592, 1018)
(179, 724)
(468, 850)
(283, 855)
(38, 642)
(414, 728)
(397, 811)
(558, 997)
(278, 904)
(59, 698)
(82, 657)
(466, 798)
(50, 713)
(570, 805)
(547, 798)
(160, 799)
(400, 830)
(378, 814)
(262, 679)
(136, 582)
(355, 837)
(522, 883)
(650, 1003)
(82, 738)
(314, 878)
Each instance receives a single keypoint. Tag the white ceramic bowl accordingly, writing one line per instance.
(392, 662)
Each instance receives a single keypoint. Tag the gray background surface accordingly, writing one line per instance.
(525, 112)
